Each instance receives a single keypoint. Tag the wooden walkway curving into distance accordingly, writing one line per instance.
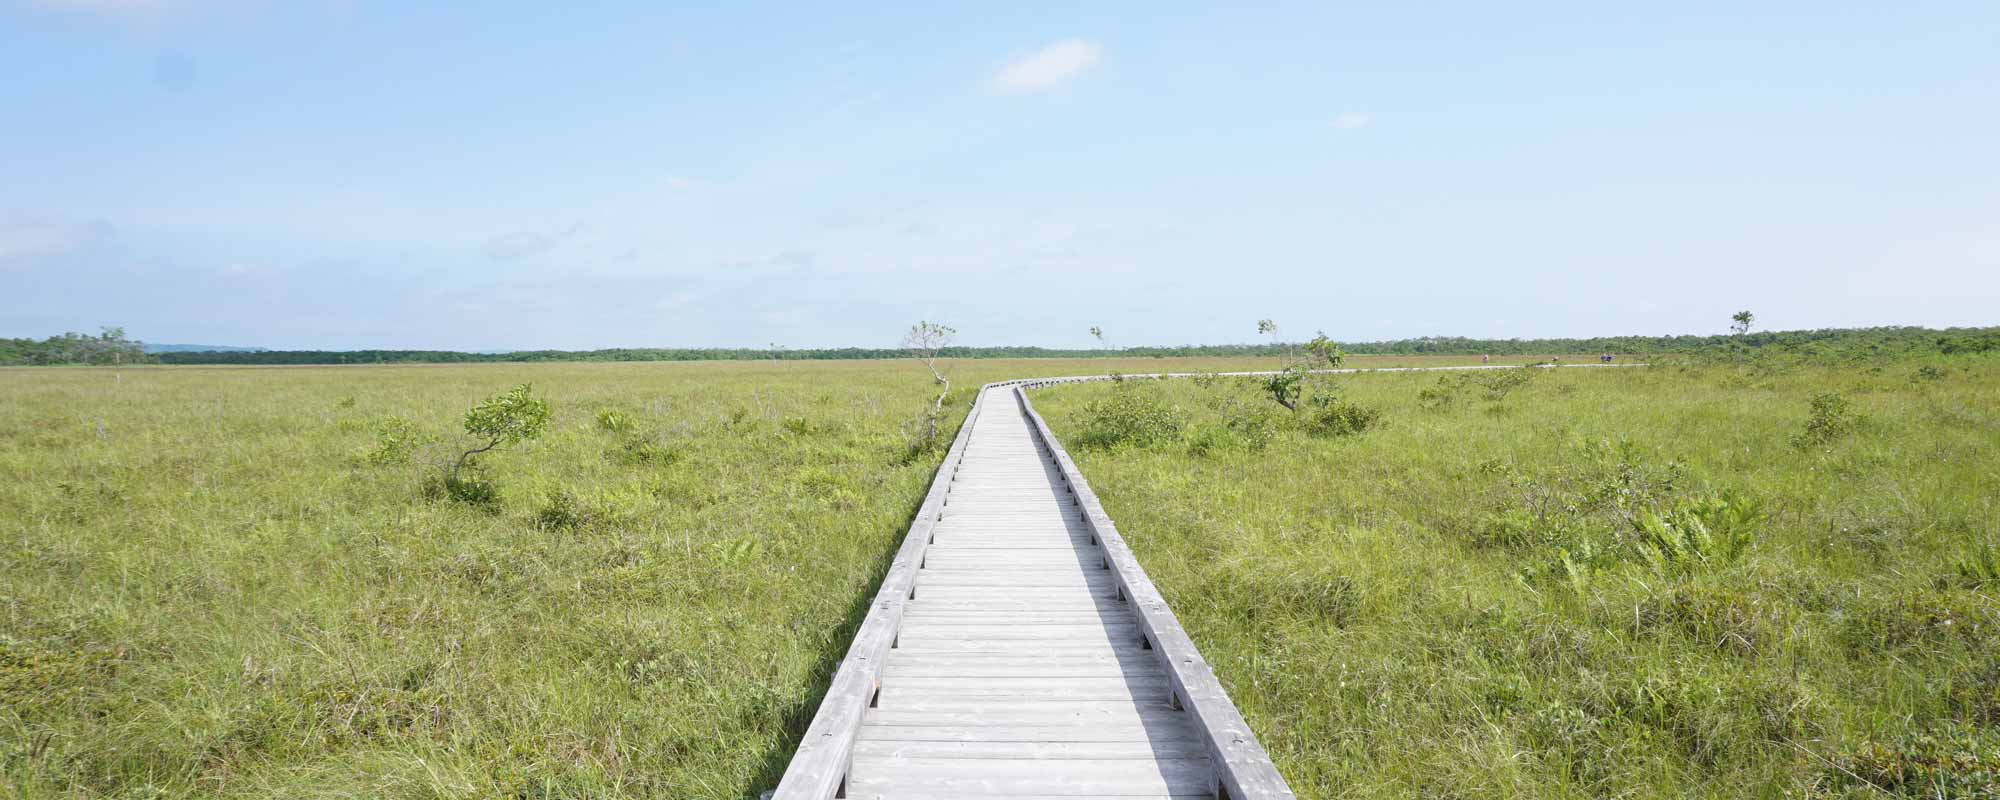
(1017, 649)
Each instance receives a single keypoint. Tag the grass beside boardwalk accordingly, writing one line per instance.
(1467, 599)
(207, 589)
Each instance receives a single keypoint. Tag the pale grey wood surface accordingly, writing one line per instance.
(1016, 670)
(1005, 655)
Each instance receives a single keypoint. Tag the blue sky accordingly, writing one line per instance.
(348, 174)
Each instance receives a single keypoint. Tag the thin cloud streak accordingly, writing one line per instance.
(1047, 68)
(1352, 120)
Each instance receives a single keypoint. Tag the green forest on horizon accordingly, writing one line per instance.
(112, 347)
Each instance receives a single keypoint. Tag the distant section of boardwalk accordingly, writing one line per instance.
(1018, 650)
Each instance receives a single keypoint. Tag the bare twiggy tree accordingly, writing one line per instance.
(925, 342)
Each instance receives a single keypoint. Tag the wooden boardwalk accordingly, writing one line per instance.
(1018, 669)
(1017, 650)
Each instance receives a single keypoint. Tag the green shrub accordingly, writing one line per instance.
(1495, 386)
(1441, 395)
(644, 449)
(1131, 415)
(1239, 426)
(396, 439)
(1503, 382)
(562, 512)
(1831, 417)
(1327, 415)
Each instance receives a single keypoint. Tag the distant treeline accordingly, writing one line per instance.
(108, 347)
(113, 348)
(1862, 340)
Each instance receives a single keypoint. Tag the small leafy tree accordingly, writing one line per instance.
(1296, 372)
(1740, 322)
(503, 420)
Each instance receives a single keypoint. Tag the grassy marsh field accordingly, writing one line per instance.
(218, 583)
(1684, 580)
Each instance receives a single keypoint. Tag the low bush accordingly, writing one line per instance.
(645, 449)
(396, 439)
(562, 511)
(1327, 415)
(1831, 417)
(1134, 415)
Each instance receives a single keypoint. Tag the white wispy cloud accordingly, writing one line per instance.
(1352, 120)
(1048, 67)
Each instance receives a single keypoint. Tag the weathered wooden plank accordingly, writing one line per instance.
(1002, 603)
(898, 693)
(893, 698)
(1048, 665)
(1016, 647)
(945, 730)
(918, 613)
(1012, 579)
(941, 543)
(915, 630)
(1092, 778)
(1152, 677)
(1148, 718)
(1053, 595)
(1034, 751)
(1087, 557)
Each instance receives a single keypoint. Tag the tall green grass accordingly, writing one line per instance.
(226, 582)
(1684, 580)
(220, 583)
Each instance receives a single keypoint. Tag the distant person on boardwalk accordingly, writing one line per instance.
(1485, 359)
